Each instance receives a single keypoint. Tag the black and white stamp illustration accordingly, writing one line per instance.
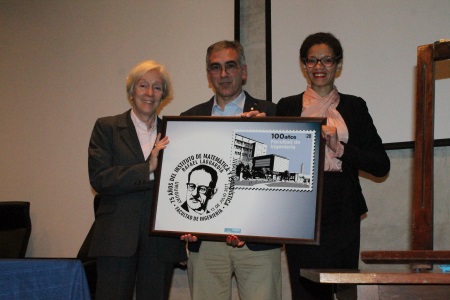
(274, 160)
(200, 187)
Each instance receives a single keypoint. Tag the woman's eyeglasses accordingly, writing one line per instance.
(326, 61)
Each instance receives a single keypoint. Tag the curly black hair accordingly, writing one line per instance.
(321, 38)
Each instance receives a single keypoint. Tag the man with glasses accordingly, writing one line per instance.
(211, 264)
(200, 189)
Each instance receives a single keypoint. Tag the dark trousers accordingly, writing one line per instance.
(118, 277)
(339, 239)
(318, 257)
(145, 272)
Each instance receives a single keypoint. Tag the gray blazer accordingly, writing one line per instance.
(120, 173)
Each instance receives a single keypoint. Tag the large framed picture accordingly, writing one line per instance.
(257, 178)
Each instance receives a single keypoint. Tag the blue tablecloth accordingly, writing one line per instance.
(49, 279)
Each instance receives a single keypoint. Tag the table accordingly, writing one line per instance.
(43, 279)
(386, 284)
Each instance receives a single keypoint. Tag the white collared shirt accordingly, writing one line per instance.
(147, 137)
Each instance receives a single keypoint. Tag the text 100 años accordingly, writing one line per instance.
(282, 136)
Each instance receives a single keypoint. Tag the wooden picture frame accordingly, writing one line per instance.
(258, 178)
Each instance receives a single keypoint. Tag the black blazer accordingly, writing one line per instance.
(205, 109)
(120, 173)
(364, 150)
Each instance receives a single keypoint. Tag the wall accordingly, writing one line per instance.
(388, 222)
(63, 64)
(380, 40)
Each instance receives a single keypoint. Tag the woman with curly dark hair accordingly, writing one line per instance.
(352, 144)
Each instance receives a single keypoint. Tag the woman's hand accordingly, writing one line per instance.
(234, 241)
(330, 135)
(159, 145)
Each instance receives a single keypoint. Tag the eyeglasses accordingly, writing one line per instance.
(230, 68)
(200, 188)
(326, 61)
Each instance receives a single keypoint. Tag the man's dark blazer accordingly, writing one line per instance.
(364, 150)
(120, 173)
(205, 109)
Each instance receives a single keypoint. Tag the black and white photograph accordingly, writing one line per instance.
(272, 160)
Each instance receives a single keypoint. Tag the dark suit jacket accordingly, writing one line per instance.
(120, 173)
(205, 109)
(364, 150)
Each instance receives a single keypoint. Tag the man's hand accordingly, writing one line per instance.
(234, 241)
(189, 238)
(159, 145)
(253, 113)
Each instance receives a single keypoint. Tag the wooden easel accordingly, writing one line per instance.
(422, 256)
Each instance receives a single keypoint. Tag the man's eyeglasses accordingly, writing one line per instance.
(200, 188)
(326, 61)
(230, 68)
